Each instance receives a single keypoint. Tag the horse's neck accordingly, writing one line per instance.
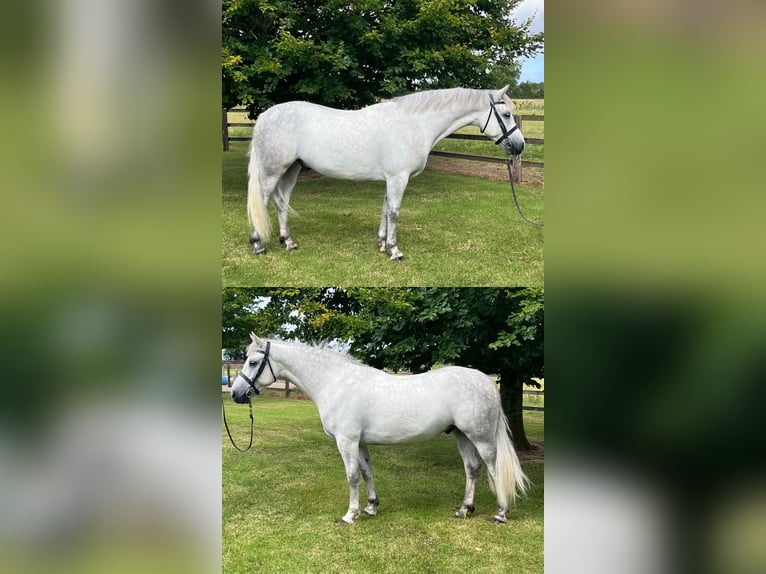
(441, 123)
(301, 370)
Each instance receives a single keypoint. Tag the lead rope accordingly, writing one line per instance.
(516, 199)
(231, 438)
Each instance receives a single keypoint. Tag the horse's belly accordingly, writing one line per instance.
(361, 159)
(393, 432)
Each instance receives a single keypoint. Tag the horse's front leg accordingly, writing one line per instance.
(365, 464)
(349, 451)
(394, 192)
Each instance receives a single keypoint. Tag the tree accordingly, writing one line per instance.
(498, 331)
(530, 90)
(349, 54)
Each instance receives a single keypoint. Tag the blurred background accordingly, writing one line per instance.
(109, 276)
(655, 316)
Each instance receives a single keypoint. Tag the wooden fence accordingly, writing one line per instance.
(518, 163)
(232, 369)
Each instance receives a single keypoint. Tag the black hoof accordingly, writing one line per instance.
(344, 523)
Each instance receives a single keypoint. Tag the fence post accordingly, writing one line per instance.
(225, 129)
(287, 389)
(228, 374)
(516, 161)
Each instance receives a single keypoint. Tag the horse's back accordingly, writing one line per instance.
(368, 144)
(402, 409)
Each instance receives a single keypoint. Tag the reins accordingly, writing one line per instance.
(265, 361)
(516, 199)
(506, 133)
(231, 438)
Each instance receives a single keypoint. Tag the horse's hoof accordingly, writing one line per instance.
(368, 513)
(258, 250)
(344, 523)
(397, 257)
(498, 521)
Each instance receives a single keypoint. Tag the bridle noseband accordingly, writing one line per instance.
(265, 361)
(493, 109)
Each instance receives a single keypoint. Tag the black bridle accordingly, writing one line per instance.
(501, 123)
(506, 134)
(252, 390)
(265, 361)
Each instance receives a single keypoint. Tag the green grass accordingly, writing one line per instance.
(283, 499)
(453, 230)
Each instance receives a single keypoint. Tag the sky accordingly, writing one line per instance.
(532, 69)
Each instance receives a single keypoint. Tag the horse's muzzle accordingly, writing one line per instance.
(514, 148)
(238, 397)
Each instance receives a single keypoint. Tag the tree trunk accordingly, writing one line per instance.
(512, 399)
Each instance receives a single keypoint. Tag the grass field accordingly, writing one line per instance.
(283, 499)
(453, 230)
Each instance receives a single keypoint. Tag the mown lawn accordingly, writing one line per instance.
(283, 499)
(453, 230)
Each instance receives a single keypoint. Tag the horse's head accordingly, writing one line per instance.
(255, 373)
(499, 125)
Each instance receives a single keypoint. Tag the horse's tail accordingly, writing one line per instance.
(257, 211)
(510, 479)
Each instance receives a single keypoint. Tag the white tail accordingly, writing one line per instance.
(257, 211)
(510, 479)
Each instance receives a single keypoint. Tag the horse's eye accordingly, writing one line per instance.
(507, 114)
(253, 362)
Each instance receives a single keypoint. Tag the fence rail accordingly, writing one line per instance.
(518, 163)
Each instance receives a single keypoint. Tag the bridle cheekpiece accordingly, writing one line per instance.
(265, 361)
(493, 110)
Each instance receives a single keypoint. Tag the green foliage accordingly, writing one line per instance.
(529, 90)
(400, 329)
(350, 54)
(524, 334)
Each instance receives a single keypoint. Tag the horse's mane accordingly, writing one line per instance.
(431, 100)
(323, 347)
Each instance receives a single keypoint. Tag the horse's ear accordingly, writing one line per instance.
(501, 92)
(255, 339)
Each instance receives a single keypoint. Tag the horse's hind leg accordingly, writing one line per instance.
(282, 199)
(268, 184)
(394, 192)
(365, 465)
(488, 452)
(472, 464)
(383, 229)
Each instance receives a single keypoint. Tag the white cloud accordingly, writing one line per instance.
(531, 9)
(532, 69)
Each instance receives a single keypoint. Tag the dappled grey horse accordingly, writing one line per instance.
(389, 141)
(360, 406)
